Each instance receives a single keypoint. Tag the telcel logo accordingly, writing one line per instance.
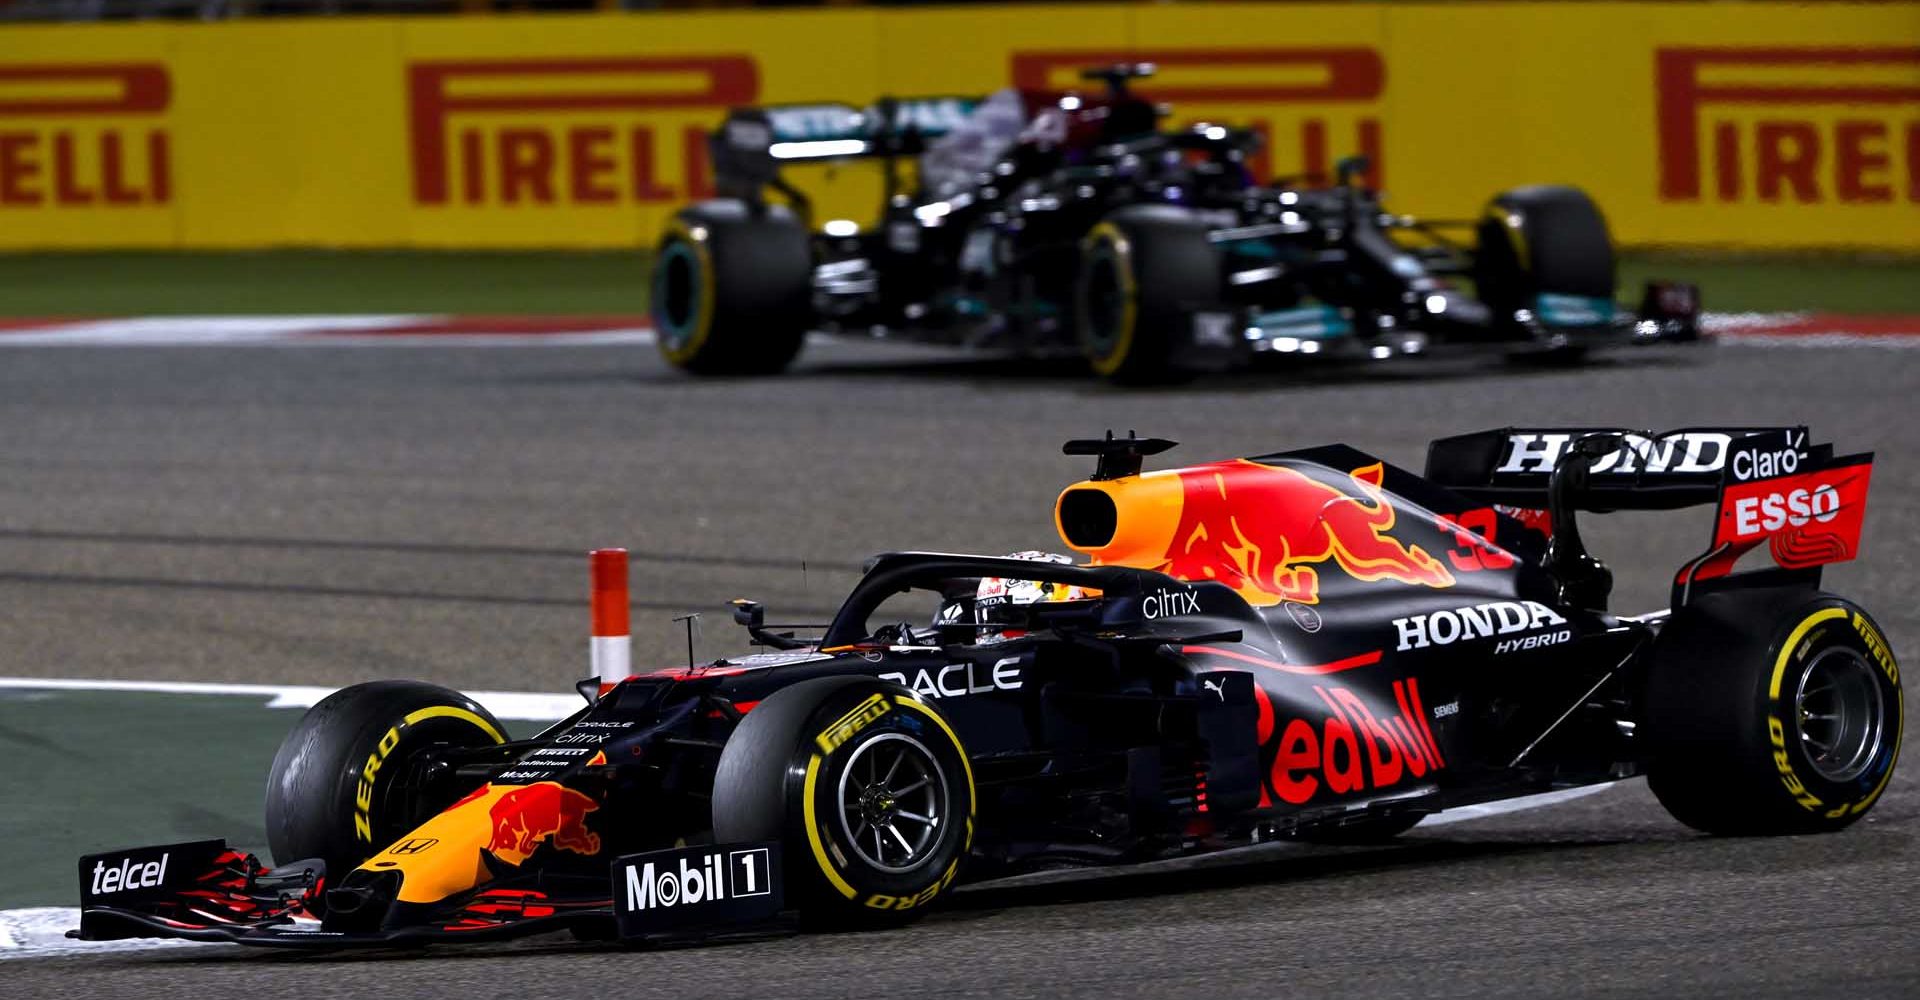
(1442, 628)
(128, 875)
(711, 878)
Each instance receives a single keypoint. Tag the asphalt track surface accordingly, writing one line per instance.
(330, 515)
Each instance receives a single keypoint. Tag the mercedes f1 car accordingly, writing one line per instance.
(1049, 224)
(1313, 644)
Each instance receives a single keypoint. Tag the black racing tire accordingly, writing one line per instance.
(335, 790)
(1546, 239)
(1743, 692)
(1377, 830)
(1144, 271)
(732, 289)
(792, 773)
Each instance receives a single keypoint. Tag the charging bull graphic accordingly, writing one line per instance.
(524, 818)
(1262, 530)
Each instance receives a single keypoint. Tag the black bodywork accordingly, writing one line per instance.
(1161, 717)
(1307, 265)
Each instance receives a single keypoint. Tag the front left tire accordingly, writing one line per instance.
(732, 288)
(868, 790)
(338, 787)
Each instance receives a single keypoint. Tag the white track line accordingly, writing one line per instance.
(529, 706)
(41, 932)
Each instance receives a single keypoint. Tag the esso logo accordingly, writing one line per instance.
(1770, 513)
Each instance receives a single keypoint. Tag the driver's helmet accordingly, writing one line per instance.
(995, 592)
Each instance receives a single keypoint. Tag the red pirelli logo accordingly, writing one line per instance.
(1254, 82)
(492, 131)
(65, 139)
(1809, 124)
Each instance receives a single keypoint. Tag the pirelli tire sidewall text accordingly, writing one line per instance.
(337, 787)
(780, 778)
(732, 288)
(1725, 725)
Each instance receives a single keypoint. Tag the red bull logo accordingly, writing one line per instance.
(1264, 530)
(1350, 748)
(526, 817)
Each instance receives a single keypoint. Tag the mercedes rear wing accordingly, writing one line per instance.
(752, 143)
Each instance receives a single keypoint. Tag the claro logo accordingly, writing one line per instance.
(1810, 124)
(1323, 101)
(569, 131)
(78, 135)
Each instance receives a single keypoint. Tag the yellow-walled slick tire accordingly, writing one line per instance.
(1772, 713)
(866, 786)
(337, 788)
(732, 289)
(1144, 271)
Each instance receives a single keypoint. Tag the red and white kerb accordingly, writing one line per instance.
(612, 649)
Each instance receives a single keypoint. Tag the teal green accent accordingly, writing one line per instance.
(1305, 323)
(1573, 310)
(1257, 248)
(673, 333)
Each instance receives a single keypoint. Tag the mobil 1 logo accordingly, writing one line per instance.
(696, 888)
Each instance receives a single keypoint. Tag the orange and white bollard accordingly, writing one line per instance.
(612, 649)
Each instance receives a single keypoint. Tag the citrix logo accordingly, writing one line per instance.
(128, 875)
(1164, 603)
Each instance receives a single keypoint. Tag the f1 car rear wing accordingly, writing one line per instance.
(751, 144)
(1644, 471)
(1770, 485)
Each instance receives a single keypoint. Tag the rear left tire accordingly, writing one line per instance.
(1772, 713)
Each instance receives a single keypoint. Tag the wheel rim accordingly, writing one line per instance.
(1840, 711)
(1106, 302)
(676, 293)
(893, 797)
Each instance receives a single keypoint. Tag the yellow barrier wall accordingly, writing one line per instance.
(1749, 125)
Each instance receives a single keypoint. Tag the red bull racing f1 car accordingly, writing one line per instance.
(1312, 644)
(1048, 224)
